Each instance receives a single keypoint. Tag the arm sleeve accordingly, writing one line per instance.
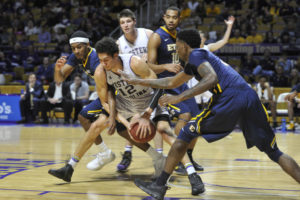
(156, 96)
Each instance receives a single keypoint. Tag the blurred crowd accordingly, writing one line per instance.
(33, 34)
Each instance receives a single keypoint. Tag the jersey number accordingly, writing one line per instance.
(129, 88)
(175, 58)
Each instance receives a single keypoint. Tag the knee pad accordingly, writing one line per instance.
(274, 155)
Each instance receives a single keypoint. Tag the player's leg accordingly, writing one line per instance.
(291, 106)
(86, 117)
(289, 165)
(157, 188)
(165, 130)
(126, 157)
(85, 143)
(182, 121)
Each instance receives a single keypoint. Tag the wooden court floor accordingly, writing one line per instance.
(231, 171)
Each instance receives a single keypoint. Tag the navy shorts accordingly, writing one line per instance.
(93, 110)
(226, 110)
(187, 106)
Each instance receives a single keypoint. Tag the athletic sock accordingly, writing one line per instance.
(103, 147)
(189, 168)
(153, 153)
(128, 148)
(159, 150)
(73, 161)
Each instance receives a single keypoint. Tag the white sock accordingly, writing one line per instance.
(153, 153)
(189, 168)
(73, 162)
(103, 147)
(159, 150)
(128, 148)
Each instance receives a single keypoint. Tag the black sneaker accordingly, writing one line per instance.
(125, 162)
(196, 183)
(180, 169)
(65, 173)
(196, 165)
(156, 191)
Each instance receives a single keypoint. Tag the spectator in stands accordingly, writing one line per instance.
(285, 38)
(293, 108)
(4, 63)
(31, 99)
(269, 38)
(5, 37)
(58, 95)
(80, 93)
(266, 65)
(279, 79)
(237, 38)
(24, 41)
(294, 77)
(248, 64)
(44, 35)
(66, 51)
(60, 36)
(45, 71)
(31, 59)
(212, 10)
(192, 5)
(254, 37)
(266, 96)
(286, 9)
(31, 29)
(286, 63)
(17, 55)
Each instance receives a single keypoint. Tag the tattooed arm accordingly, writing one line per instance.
(209, 80)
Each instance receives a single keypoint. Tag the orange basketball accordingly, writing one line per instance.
(148, 137)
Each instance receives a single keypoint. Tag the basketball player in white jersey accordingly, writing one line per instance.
(134, 41)
(131, 99)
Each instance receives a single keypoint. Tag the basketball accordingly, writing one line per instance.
(148, 137)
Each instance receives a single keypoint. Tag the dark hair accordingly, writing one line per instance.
(78, 75)
(79, 34)
(126, 13)
(190, 36)
(263, 76)
(107, 45)
(173, 8)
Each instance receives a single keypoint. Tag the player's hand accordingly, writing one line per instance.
(129, 78)
(230, 20)
(144, 126)
(60, 62)
(175, 68)
(111, 123)
(290, 97)
(168, 99)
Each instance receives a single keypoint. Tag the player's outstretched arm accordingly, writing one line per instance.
(61, 69)
(219, 44)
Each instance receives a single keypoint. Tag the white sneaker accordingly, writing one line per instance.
(159, 165)
(101, 160)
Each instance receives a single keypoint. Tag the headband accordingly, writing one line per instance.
(79, 39)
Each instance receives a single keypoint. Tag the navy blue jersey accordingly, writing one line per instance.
(89, 65)
(166, 52)
(227, 76)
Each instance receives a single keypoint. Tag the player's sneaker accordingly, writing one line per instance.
(196, 183)
(125, 162)
(151, 188)
(65, 173)
(102, 159)
(196, 165)
(291, 127)
(180, 169)
(159, 165)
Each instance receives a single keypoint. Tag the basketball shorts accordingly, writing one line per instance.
(93, 110)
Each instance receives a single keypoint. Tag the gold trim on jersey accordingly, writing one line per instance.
(87, 58)
(266, 112)
(171, 34)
